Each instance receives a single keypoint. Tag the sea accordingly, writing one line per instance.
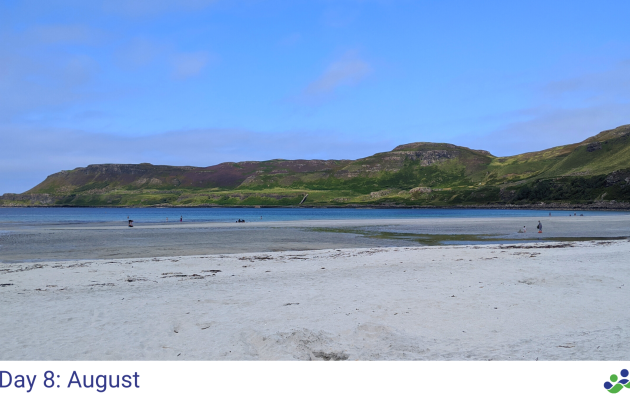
(71, 215)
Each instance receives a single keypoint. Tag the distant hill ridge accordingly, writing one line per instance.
(594, 171)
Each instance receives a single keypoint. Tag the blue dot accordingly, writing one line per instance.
(624, 373)
(607, 385)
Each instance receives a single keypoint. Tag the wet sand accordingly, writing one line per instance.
(112, 241)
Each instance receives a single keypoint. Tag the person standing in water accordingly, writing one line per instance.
(181, 218)
(539, 227)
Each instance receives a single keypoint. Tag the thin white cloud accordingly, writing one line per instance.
(603, 85)
(350, 69)
(564, 111)
(139, 52)
(144, 8)
(90, 115)
(187, 65)
(548, 127)
(61, 34)
(37, 73)
(30, 85)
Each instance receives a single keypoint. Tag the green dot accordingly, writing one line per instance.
(613, 378)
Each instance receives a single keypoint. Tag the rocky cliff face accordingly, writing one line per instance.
(618, 177)
(433, 146)
(128, 169)
(395, 160)
(425, 158)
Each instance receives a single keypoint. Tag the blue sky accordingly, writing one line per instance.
(199, 82)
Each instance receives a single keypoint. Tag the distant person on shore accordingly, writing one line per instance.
(539, 227)
(522, 230)
(130, 223)
(550, 214)
(181, 218)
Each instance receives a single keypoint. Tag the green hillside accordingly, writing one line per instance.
(593, 172)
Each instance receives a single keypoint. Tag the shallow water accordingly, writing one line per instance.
(460, 239)
(44, 235)
(50, 216)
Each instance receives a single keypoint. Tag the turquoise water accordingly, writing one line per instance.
(47, 216)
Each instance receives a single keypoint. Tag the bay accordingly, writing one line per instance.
(51, 216)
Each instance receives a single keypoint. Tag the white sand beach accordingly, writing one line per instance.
(540, 301)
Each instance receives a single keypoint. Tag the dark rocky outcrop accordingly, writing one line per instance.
(622, 176)
(594, 146)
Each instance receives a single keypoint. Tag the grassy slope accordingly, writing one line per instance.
(456, 176)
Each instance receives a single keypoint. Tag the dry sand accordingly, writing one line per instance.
(545, 301)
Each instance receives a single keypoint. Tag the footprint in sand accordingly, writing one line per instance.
(205, 325)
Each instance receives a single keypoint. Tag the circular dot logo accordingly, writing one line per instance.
(615, 385)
